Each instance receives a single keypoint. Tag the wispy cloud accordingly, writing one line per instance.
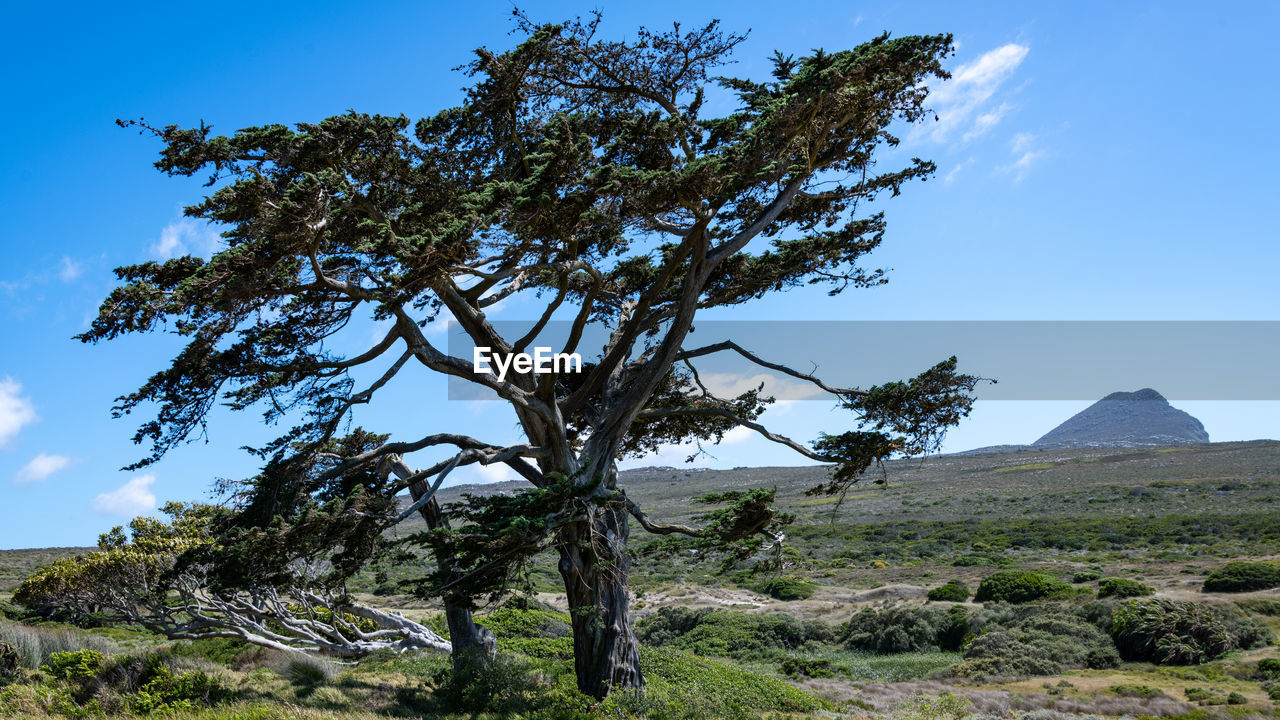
(131, 499)
(954, 173)
(1023, 147)
(185, 236)
(40, 467)
(69, 269)
(15, 410)
(962, 103)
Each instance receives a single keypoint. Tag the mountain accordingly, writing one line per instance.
(1126, 419)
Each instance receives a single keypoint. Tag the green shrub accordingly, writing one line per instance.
(1273, 690)
(1034, 640)
(905, 629)
(811, 668)
(1235, 698)
(787, 587)
(684, 687)
(1123, 588)
(1171, 632)
(231, 652)
(165, 690)
(1195, 694)
(1243, 577)
(1139, 691)
(513, 622)
(953, 591)
(723, 633)
(75, 665)
(1086, 576)
(1019, 586)
(1269, 668)
(974, 561)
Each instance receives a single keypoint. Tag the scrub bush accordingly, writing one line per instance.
(1019, 586)
(1243, 577)
(953, 591)
(1123, 588)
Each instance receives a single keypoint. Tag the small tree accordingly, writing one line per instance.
(580, 170)
(151, 577)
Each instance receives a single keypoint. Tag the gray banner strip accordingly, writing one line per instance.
(1031, 360)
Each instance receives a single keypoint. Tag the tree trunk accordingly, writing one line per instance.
(595, 565)
(473, 645)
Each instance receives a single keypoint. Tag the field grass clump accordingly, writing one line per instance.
(307, 671)
(75, 664)
(1243, 577)
(722, 633)
(1019, 586)
(952, 591)
(1123, 588)
(36, 644)
(1172, 632)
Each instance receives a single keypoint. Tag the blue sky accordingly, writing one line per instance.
(1097, 161)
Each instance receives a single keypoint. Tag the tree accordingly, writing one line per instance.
(579, 170)
(143, 579)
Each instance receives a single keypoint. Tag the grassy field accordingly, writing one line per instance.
(1163, 517)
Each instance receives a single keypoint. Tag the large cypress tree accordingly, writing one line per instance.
(579, 170)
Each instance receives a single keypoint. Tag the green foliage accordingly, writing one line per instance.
(1019, 586)
(953, 591)
(810, 668)
(1170, 632)
(1261, 605)
(905, 629)
(1137, 691)
(1269, 668)
(1235, 698)
(511, 623)
(686, 687)
(787, 587)
(164, 690)
(723, 633)
(222, 651)
(1123, 588)
(1243, 577)
(1085, 576)
(75, 665)
(1034, 640)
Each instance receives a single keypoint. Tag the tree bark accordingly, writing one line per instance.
(473, 645)
(594, 564)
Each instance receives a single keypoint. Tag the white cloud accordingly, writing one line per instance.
(951, 176)
(69, 269)
(783, 388)
(1023, 147)
(15, 411)
(131, 499)
(961, 102)
(185, 237)
(40, 467)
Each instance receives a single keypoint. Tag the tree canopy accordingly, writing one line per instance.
(579, 170)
